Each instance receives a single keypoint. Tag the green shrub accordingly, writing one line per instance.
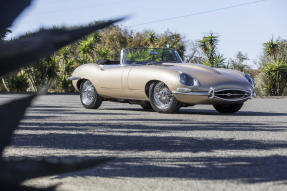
(276, 77)
(17, 82)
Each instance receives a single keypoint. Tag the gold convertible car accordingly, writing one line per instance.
(157, 79)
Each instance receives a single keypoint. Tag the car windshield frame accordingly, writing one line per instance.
(174, 54)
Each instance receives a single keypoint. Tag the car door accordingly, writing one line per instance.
(134, 83)
(110, 80)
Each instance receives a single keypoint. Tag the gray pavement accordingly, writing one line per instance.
(195, 149)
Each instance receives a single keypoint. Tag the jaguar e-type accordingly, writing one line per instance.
(157, 79)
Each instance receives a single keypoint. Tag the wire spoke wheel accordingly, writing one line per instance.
(88, 93)
(161, 98)
(89, 97)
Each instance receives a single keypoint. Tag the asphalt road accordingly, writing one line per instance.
(195, 149)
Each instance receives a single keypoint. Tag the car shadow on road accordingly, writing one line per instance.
(240, 113)
(104, 111)
(188, 111)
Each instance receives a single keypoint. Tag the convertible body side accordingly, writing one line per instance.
(126, 82)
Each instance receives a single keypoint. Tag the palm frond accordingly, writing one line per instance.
(10, 115)
(10, 9)
(24, 51)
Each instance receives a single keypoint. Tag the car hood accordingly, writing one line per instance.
(208, 76)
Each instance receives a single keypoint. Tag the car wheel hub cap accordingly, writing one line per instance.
(162, 96)
(88, 93)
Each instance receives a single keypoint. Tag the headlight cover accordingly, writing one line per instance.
(249, 79)
(186, 79)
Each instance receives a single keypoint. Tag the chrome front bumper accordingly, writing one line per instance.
(212, 94)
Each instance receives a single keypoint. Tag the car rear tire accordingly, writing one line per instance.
(228, 108)
(89, 97)
(161, 99)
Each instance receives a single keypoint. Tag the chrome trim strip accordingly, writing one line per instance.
(73, 78)
(230, 94)
(231, 100)
(252, 93)
(192, 93)
(219, 90)
(211, 92)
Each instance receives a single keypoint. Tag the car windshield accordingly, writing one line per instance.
(150, 56)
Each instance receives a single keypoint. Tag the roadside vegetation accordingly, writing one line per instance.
(270, 77)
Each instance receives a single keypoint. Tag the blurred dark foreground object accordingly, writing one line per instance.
(14, 55)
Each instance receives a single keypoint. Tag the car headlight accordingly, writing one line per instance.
(186, 79)
(249, 79)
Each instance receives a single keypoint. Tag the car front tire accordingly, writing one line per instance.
(161, 99)
(228, 108)
(90, 99)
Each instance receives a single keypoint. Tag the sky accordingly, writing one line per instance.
(242, 25)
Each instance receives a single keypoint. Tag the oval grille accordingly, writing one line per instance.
(231, 94)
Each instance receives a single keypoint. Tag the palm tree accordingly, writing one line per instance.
(271, 48)
(276, 69)
(151, 39)
(219, 61)
(238, 62)
(208, 46)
